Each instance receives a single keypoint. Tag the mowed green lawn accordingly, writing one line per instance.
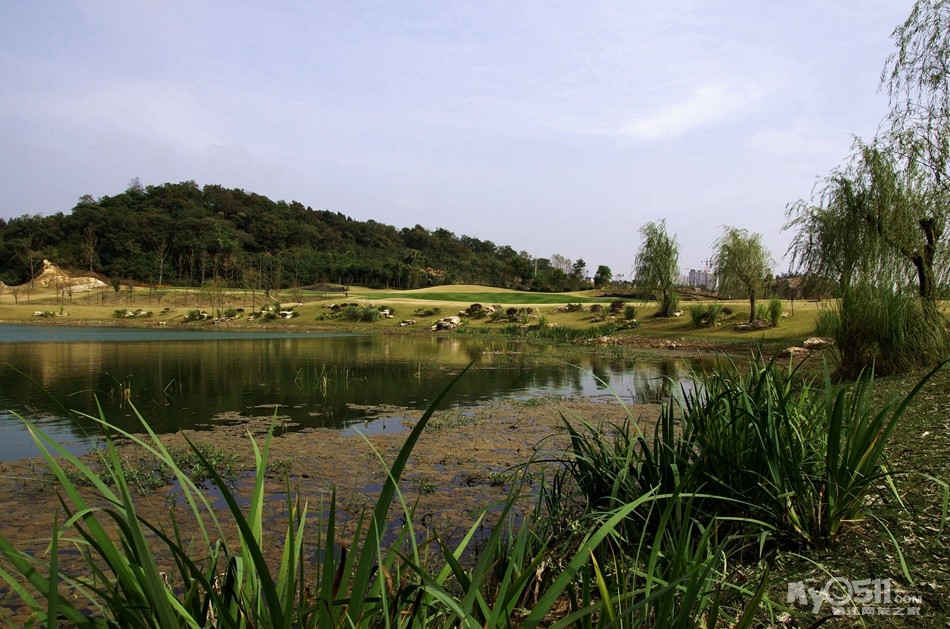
(470, 294)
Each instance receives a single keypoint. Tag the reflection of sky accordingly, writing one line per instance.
(179, 379)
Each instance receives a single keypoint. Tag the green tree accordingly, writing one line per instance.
(742, 265)
(602, 276)
(875, 222)
(657, 265)
(884, 217)
(917, 78)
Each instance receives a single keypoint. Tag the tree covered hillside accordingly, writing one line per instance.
(183, 234)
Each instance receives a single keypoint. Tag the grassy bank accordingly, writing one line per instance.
(172, 307)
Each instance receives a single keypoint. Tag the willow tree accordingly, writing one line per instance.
(657, 265)
(742, 265)
(917, 78)
(877, 220)
(885, 216)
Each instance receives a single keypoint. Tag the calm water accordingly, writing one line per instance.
(189, 379)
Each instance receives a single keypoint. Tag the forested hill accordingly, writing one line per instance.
(183, 234)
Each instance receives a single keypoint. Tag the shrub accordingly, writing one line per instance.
(428, 311)
(616, 306)
(697, 314)
(497, 315)
(715, 313)
(629, 312)
(120, 313)
(775, 311)
(704, 316)
(574, 307)
(476, 311)
(888, 330)
(366, 314)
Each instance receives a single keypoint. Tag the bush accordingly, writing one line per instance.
(476, 311)
(697, 314)
(363, 314)
(704, 316)
(629, 312)
(427, 311)
(879, 327)
(616, 306)
(775, 311)
(120, 313)
(497, 315)
(574, 307)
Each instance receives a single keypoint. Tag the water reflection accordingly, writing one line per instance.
(177, 381)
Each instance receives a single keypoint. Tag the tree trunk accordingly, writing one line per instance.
(751, 307)
(924, 261)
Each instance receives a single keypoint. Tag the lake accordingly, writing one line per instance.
(196, 379)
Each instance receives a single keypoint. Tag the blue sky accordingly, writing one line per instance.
(555, 127)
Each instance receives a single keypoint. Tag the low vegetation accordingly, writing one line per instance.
(635, 529)
(876, 326)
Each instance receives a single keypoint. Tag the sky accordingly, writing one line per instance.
(554, 127)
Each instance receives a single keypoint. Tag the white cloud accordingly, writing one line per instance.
(708, 105)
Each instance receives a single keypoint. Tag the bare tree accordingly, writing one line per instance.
(89, 245)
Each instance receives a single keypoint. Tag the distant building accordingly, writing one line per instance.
(701, 279)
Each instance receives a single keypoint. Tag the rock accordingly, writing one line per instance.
(678, 313)
(757, 324)
(406, 322)
(54, 277)
(816, 343)
(792, 352)
(448, 323)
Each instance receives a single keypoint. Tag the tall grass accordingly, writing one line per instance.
(789, 457)
(703, 316)
(879, 327)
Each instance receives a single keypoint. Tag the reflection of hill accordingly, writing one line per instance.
(314, 381)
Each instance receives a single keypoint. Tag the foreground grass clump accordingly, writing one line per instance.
(789, 458)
